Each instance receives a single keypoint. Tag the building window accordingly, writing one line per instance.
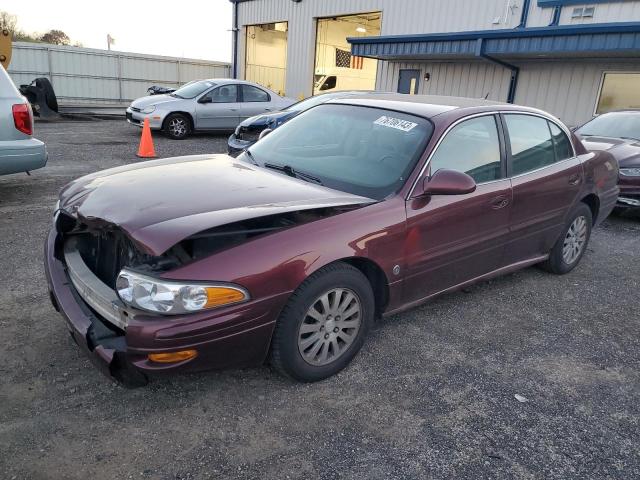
(583, 12)
(618, 91)
(343, 58)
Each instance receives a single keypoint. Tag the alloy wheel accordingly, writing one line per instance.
(330, 326)
(177, 127)
(575, 240)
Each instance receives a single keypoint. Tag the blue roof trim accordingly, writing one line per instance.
(561, 3)
(606, 37)
(591, 28)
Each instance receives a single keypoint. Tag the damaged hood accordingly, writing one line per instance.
(160, 203)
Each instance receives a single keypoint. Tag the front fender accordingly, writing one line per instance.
(278, 263)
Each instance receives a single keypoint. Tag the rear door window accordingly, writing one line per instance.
(561, 142)
(254, 94)
(531, 144)
(472, 147)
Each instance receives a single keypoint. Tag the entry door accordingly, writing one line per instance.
(409, 81)
(455, 238)
(219, 109)
(546, 178)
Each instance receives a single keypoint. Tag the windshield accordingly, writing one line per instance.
(616, 124)
(193, 89)
(361, 150)
(307, 103)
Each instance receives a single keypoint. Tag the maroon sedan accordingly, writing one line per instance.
(357, 208)
(619, 134)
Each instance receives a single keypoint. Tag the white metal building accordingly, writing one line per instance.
(574, 58)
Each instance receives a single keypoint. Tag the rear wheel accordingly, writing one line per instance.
(177, 126)
(324, 324)
(570, 247)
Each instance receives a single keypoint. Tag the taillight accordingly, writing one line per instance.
(23, 118)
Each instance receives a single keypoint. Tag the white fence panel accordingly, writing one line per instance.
(90, 76)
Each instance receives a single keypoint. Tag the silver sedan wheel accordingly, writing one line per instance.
(330, 326)
(178, 127)
(575, 240)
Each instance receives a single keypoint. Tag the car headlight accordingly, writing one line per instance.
(630, 172)
(173, 298)
(149, 109)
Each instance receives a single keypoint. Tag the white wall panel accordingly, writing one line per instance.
(473, 79)
(85, 75)
(569, 90)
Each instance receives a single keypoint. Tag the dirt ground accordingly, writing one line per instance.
(431, 395)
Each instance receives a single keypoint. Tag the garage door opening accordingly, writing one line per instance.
(266, 55)
(335, 67)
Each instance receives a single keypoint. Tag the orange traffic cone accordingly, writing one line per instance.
(146, 149)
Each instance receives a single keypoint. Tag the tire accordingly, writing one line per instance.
(49, 94)
(577, 231)
(177, 126)
(297, 333)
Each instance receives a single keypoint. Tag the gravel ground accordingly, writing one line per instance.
(431, 395)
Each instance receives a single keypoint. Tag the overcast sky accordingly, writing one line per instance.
(194, 29)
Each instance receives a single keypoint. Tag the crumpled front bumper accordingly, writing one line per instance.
(235, 146)
(236, 336)
(105, 347)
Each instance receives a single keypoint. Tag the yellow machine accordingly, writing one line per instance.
(5, 48)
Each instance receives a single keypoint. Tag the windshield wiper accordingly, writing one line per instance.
(250, 157)
(288, 170)
(630, 138)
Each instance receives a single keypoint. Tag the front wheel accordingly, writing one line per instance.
(324, 324)
(177, 126)
(570, 247)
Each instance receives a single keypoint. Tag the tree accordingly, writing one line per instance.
(8, 21)
(57, 37)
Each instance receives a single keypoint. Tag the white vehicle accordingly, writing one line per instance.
(342, 78)
(19, 151)
(213, 105)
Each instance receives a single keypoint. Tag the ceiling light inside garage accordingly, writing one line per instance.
(361, 29)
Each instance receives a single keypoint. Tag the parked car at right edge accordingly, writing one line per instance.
(19, 151)
(619, 134)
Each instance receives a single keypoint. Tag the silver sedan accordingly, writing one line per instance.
(205, 105)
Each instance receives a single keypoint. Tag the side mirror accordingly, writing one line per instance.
(205, 99)
(264, 133)
(446, 182)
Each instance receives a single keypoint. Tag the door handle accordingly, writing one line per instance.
(233, 109)
(499, 202)
(574, 179)
(267, 109)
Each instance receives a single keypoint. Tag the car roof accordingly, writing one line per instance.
(427, 106)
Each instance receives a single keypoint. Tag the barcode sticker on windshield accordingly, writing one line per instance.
(392, 122)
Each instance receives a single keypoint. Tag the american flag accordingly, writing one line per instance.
(357, 62)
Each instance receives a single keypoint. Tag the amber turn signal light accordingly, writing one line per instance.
(173, 357)
(217, 296)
